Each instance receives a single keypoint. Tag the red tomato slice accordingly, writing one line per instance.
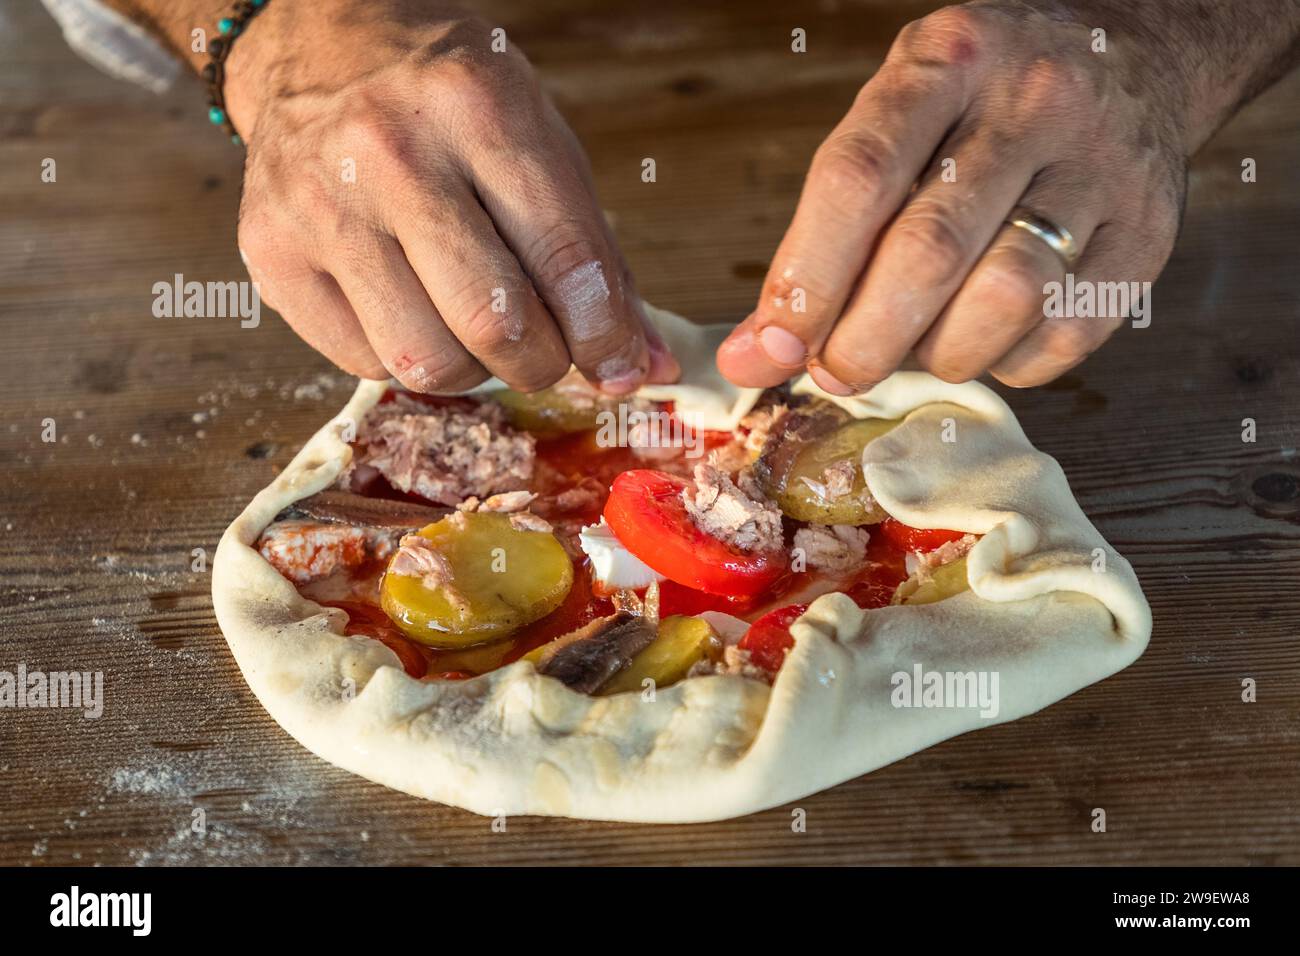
(676, 598)
(873, 591)
(768, 639)
(646, 512)
(906, 538)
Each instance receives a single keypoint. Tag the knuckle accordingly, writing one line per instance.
(947, 366)
(1067, 342)
(932, 238)
(1049, 86)
(852, 168)
(490, 333)
(561, 249)
(1056, 347)
(539, 374)
(444, 371)
(491, 87)
(952, 36)
(853, 369)
(376, 135)
(259, 240)
(1012, 285)
(608, 354)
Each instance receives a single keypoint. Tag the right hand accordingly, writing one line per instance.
(469, 242)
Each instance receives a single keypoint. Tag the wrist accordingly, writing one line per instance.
(250, 65)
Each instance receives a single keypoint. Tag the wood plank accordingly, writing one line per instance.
(167, 427)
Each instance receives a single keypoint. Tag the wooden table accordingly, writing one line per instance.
(166, 427)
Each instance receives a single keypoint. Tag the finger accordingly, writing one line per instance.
(1060, 342)
(317, 310)
(483, 295)
(306, 297)
(403, 326)
(548, 217)
(857, 181)
(664, 367)
(924, 256)
(1004, 295)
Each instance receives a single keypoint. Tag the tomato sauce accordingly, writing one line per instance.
(568, 462)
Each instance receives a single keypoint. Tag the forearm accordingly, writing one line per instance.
(279, 54)
(1209, 57)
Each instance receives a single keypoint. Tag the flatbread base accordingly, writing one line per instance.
(1052, 608)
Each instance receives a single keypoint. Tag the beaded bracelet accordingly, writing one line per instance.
(214, 73)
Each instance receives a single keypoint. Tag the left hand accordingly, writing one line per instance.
(1021, 109)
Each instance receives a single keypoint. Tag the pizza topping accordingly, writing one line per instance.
(504, 503)
(658, 587)
(504, 578)
(417, 558)
(936, 574)
(734, 512)
(570, 405)
(809, 464)
(676, 598)
(735, 662)
(591, 655)
(836, 480)
(527, 521)
(923, 564)
(768, 639)
(758, 424)
(612, 564)
(838, 548)
(306, 551)
(511, 503)
(443, 453)
(588, 494)
(679, 644)
(647, 510)
(786, 438)
(943, 582)
(346, 507)
(920, 540)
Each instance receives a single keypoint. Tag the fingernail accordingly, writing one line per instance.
(829, 383)
(782, 347)
(664, 367)
(741, 338)
(620, 382)
(662, 361)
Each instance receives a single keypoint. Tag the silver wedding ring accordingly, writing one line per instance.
(1058, 238)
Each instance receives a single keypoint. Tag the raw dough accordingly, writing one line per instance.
(513, 742)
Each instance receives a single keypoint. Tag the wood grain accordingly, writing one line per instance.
(167, 427)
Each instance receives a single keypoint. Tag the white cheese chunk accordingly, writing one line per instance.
(611, 563)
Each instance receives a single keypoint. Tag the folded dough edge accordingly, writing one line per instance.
(513, 742)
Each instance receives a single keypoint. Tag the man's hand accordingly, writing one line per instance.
(413, 203)
(888, 255)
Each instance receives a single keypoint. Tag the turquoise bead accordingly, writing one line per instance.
(217, 115)
(259, 3)
(225, 25)
(236, 140)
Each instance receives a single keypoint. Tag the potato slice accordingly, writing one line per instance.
(501, 579)
(945, 581)
(801, 501)
(680, 643)
(549, 411)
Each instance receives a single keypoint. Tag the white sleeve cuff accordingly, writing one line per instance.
(113, 43)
